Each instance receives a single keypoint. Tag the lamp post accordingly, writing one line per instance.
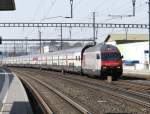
(71, 4)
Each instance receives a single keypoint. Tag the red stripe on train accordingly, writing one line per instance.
(112, 63)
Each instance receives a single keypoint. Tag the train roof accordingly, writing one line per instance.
(98, 47)
(109, 47)
(101, 47)
(72, 50)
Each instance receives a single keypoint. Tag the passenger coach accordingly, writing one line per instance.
(97, 60)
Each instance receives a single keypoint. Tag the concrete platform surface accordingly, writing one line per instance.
(136, 73)
(13, 97)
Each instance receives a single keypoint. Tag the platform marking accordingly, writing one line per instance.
(5, 88)
(5, 73)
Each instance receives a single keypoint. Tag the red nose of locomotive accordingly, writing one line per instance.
(112, 63)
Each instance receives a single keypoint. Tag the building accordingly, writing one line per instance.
(133, 47)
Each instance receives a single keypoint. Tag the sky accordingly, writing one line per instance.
(39, 10)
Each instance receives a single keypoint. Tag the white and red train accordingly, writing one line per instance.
(99, 60)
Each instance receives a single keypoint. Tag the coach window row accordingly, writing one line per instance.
(97, 56)
(78, 58)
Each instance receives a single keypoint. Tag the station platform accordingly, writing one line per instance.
(13, 97)
(138, 73)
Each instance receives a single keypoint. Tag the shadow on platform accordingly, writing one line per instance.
(17, 108)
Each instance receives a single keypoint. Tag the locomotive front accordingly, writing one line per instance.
(111, 61)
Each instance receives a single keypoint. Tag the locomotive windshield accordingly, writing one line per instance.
(111, 56)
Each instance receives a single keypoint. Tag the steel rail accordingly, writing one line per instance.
(77, 106)
(115, 91)
(43, 104)
(129, 95)
(135, 83)
(111, 86)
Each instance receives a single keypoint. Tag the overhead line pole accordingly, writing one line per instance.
(71, 3)
(14, 49)
(61, 38)
(133, 1)
(40, 41)
(149, 30)
(26, 45)
(94, 28)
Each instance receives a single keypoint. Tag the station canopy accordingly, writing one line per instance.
(6, 5)
(127, 38)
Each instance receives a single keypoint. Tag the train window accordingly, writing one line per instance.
(76, 58)
(71, 64)
(97, 56)
(79, 58)
(111, 56)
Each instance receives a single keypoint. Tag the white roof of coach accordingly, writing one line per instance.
(72, 50)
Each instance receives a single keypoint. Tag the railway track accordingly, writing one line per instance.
(130, 95)
(46, 109)
(140, 83)
(75, 108)
(133, 85)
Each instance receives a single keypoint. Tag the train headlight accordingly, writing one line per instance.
(104, 67)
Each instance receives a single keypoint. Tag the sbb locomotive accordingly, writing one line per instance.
(97, 60)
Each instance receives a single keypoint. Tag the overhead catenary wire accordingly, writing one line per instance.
(34, 16)
(119, 8)
(101, 9)
(50, 8)
(78, 3)
(115, 9)
(87, 14)
(108, 5)
(139, 8)
(105, 10)
(101, 3)
(37, 9)
(130, 9)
